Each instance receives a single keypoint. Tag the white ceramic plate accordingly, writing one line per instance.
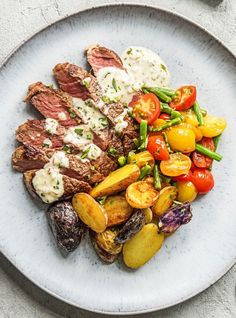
(200, 252)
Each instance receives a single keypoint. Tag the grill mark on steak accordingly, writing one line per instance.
(71, 79)
(71, 185)
(100, 56)
(52, 103)
(33, 133)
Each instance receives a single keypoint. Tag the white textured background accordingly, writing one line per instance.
(18, 20)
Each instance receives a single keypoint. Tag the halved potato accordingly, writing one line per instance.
(118, 209)
(141, 194)
(165, 200)
(142, 158)
(148, 215)
(90, 212)
(106, 241)
(117, 181)
(143, 246)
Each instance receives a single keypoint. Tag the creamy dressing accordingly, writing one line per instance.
(51, 125)
(90, 115)
(117, 85)
(79, 136)
(145, 67)
(94, 152)
(62, 116)
(47, 143)
(121, 124)
(48, 182)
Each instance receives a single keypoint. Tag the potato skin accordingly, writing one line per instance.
(165, 200)
(66, 227)
(106, 241)
(143, 158)
(118, 210)
(143, 246)
(117, 181)
(102, 254)
(131, 227)
(90, 212)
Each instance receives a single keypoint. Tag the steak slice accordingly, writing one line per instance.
(99, 57)
(33, 133)
(71, 185)
(76, 81)
(128, 135)
(52, 103)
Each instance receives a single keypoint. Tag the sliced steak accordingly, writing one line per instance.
(52, 103)
(129, 134)
(71, 185)
(76, 81)
(104, 165)
(33, 133)
(99, 57)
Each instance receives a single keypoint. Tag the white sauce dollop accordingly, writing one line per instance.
(79, 136)
(47, 143)
(62, 116)
(51, 125)
(121, 124)
(48, 182)
(116, 84)
(94, 152)
(145, 67)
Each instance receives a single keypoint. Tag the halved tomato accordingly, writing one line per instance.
(146, 107)
(157, 147)
(164, 116)
(200, 160)
(185, 98)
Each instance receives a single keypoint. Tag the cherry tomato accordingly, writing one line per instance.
(203, 180)
(165, 116)
(193, 167)
(200, 160)
(181, 138)
(157, 147)
(146, 107)
(184, 177)
(185, 98)
(213, 126)
(190, 117)
(186, 191)
(176, 165)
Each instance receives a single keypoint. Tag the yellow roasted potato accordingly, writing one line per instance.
(148, 215)
(118, 209)
(106, 241)
(142, 158)
(143, 246)
(117, 181)
(165, 200)
(141, 194)
(90, 212)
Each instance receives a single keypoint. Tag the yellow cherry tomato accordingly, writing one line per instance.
(213, 126)
(186, 191)
(158, 122)
(196, 130)
(176, 165)
(181, 138)
(190, 117)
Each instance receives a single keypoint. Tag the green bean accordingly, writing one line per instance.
(168, 124)
(216, 141)
(162, 96)
(167, 91)
(165, 108)
(209, 153)
(197, 110)
(144, 171)
(122, 161)
(143, 135)
(156, 176)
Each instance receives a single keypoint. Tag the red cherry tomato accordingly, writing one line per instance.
(146, 107)
(184, 177)
(193, 167)
(165, 116)
(203, 180)
(157, 147)
(185, 98)
(200, 160)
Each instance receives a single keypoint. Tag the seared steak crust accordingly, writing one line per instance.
(99, 57)
(52, 103)
(76, 81)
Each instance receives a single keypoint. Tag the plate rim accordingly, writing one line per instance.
(4, 62)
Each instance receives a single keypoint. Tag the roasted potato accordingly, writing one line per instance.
(165, 200)
(148, 215)
(117, 181)
(90, 212)
(106, 241)
(102, 254)
(142, 158)
(141, 194)
(131, 227)
(143, 246)
(66, 227)
(118, 209)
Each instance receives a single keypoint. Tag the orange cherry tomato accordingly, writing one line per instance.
(185, 98)
(203, 180)
(146, 107)
(165, 116)
(176, 165)
(200, 160)
(157, 147)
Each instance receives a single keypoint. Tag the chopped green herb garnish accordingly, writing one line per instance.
(66, 148)
(114, 84)
(107, 74)
(129, 51)
(79, 131)
(163, 67)
(101, 200)
(85, 153)
(72, 113)
(122, 161)
(112, 151)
